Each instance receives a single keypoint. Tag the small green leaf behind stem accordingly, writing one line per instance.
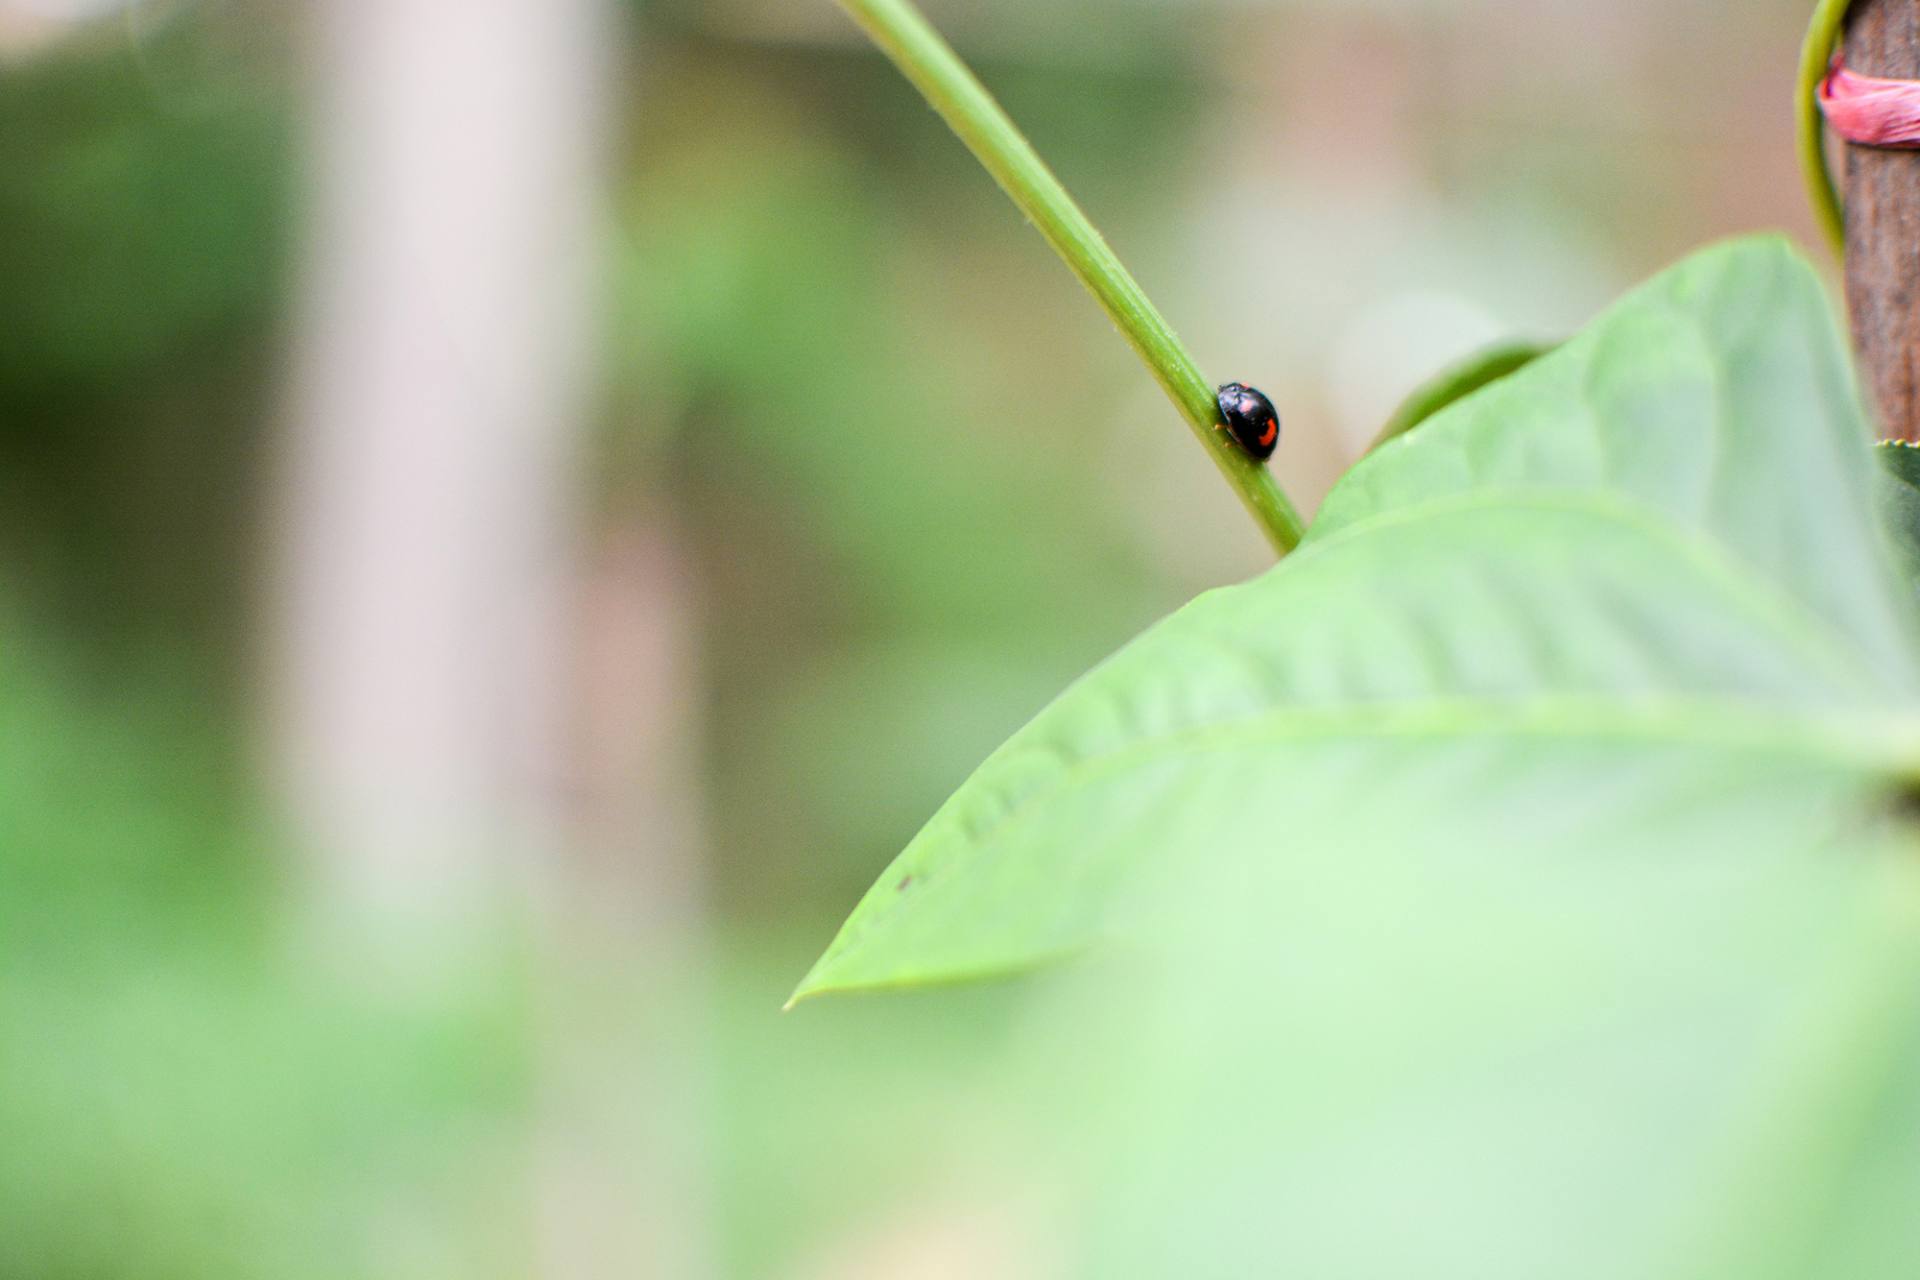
(964, 103)
(1456, 382)
(1897, 495)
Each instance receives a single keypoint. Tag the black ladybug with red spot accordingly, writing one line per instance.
(1250, 418)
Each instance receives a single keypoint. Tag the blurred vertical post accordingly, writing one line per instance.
(439, 383)
(429, 576)
(1883, 226)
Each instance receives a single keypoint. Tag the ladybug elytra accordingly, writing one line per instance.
(1250, 418)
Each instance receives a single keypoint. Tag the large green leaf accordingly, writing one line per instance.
(1658, 535)
(1521, 878)
(1480, 1056)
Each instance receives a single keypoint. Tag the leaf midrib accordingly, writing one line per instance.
(1866, 744)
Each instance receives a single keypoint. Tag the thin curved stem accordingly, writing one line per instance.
(964, 103)
(1823, 34)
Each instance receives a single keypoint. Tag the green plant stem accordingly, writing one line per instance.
(931, 64)
(1823, 33)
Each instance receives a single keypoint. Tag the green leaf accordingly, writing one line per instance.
(1898, 494)
(1457, 382)
(1630, 1008)
(1655, 539)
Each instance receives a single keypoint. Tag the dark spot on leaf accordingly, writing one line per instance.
(904, 882)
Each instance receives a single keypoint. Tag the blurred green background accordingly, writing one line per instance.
(854, 480)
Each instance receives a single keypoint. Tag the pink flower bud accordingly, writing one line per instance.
(1869, 110)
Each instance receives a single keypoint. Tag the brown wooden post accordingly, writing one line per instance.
(1883, 227)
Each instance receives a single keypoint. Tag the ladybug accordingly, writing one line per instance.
(1250, 418)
